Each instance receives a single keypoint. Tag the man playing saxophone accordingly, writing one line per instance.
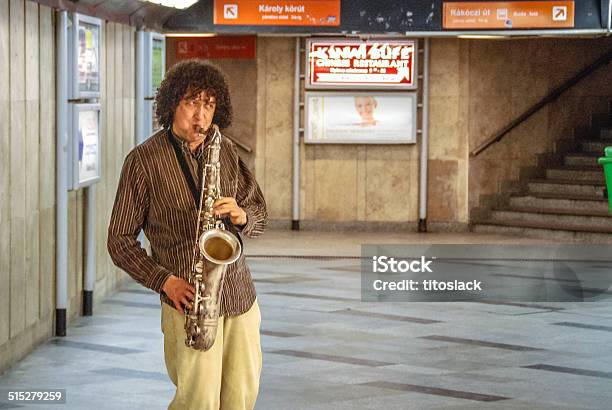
(160, 191)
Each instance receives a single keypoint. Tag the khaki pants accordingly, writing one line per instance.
(225, 377)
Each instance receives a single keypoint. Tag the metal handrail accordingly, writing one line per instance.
(601, 61)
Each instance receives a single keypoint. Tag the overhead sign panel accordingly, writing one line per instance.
(389, 17)
(508, 15)
(277, 12)
(226, 47)
(359, 64)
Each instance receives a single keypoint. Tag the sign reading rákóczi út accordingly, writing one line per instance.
(359, 64)
(277, 12)
(508, 14)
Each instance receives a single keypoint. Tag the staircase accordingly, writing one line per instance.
(565, 202)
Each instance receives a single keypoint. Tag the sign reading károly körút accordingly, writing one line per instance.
(359, 64)
(277, 12)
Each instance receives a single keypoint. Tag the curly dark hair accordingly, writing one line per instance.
(186, 79)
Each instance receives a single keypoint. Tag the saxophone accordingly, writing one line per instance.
(215, 248)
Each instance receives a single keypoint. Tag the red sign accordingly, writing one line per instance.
(358, 64)
(508, 14)
(277, 12)
(238, 47)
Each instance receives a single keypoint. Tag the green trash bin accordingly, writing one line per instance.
(606, 161)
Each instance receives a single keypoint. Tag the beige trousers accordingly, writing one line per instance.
(226, 377)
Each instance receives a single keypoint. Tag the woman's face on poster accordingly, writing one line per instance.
(365, 107)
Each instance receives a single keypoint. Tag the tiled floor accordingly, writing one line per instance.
(325, 349)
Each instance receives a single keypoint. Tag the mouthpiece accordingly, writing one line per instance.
(203, 131)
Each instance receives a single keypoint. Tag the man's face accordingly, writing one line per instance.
(192, 113)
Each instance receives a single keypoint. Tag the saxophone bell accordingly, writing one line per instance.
(220, 247)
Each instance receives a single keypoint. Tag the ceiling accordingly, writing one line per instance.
(137, 13)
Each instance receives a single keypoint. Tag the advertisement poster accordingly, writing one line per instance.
(157, 63)
(88, 132)
(88, 57)
(360, 118)
(358, 64)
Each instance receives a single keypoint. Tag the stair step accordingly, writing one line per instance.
(596, 167)
(549, 210)
(602, 119)
(545, 231)
(581, 159)
(595, 145)
(560, 204)
(566, 187)
(561, 181)
(605, 132)
(544, 225)
(559, 220)
(598, 198)
(595, 135)
(582, 153)
(584, 173)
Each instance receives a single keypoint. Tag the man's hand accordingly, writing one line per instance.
(227, 206)
(179, 291)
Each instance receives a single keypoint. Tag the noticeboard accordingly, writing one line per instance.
(354, 64)
(158, 61)
(360, 117)
(85, 145)
(154, 72)
(85, 56)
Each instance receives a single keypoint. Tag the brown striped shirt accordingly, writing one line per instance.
(153, 195)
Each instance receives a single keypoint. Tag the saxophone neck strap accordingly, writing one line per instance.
(184, 168)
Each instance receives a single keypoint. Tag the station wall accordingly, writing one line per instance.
(27, 175)
(476, 88)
